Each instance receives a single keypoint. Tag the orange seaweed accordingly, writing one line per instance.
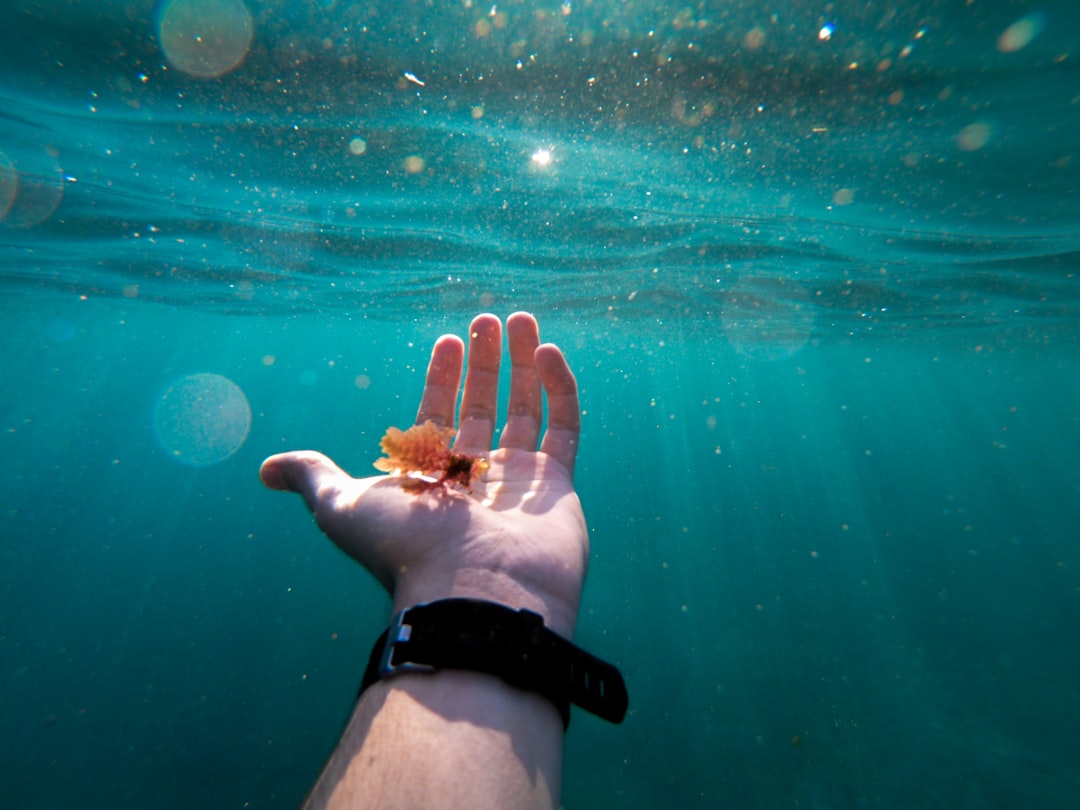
(423, 454)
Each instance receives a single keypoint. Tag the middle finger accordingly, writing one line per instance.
(476, 422)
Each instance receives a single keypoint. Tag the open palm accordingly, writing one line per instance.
(520, 537)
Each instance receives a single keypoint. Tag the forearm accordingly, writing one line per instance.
(451, 739)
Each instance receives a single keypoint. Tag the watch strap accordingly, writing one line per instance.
(514, 645)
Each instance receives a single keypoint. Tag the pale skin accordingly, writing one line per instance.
(455, 738)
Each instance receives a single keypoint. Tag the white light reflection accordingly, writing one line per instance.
(542, 158)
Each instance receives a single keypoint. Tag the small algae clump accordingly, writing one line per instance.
(423, 455)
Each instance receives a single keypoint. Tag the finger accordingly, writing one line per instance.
(476, 422)
(442, 381)
(311, 474)
(564, 415)
(525, 408)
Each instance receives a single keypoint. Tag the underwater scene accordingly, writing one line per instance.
(815, 266)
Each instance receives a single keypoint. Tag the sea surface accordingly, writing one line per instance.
(815, 266)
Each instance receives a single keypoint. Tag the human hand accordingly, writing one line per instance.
(520, 537)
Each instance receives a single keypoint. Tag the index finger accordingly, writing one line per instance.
(442, 381)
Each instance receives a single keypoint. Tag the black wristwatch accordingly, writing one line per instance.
(514, 645)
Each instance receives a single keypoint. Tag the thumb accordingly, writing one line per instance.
(305, 472)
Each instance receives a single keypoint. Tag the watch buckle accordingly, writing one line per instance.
(399, 633)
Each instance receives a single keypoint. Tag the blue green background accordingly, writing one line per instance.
(827, 353)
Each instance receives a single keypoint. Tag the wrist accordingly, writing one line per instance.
(514, 645)
(559, 615)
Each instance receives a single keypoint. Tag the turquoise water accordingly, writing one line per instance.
(816, 273)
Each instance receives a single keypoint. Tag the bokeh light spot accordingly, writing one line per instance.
(202, 419)
(7, 185)
(974, 136)
(1019, 35)
(205, 38)
(754, 38)
(33, 186)
(843, 196)
(767, 318)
